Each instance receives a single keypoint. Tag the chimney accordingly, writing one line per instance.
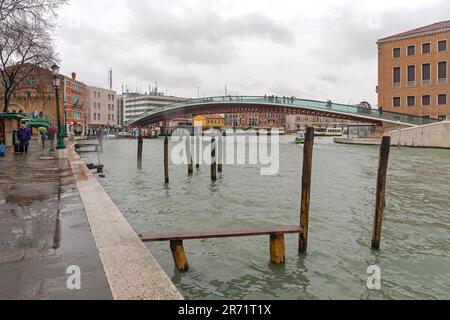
(74, 76)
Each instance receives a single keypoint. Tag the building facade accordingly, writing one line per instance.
(102, 108)
(136, 104)
(35, 94)
(75, 108)
(210, 121)
(413, 72)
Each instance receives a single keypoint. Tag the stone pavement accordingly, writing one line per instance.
(44, 230)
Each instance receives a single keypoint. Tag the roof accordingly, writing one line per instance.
(214, 116)
(37, 124)
(12, 115)
(438, 26)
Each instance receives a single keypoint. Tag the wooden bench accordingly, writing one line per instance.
(277, 246)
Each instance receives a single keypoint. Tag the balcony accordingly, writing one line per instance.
(443, 81)
(411, 84)
(426, 82)
(396, 85)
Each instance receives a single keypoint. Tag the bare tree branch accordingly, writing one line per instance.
(25, 41)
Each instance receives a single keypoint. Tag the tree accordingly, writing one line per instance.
(25, 41)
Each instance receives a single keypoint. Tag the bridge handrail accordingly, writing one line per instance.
(294, 102)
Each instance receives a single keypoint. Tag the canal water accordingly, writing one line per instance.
(415, 254)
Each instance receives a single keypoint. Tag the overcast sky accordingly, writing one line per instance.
(321, 49)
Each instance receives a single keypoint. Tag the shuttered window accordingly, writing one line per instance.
(442, 70)
(426, 71)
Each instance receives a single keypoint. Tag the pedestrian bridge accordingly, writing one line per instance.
(255, 104)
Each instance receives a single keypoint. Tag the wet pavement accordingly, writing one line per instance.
(44, 230)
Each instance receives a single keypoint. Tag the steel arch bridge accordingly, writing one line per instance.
(256, 104)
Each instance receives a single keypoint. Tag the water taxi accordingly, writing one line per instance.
(300, 138)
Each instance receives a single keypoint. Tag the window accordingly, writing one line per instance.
(442, 99)
(442, 72)
(426, 100)
(442, 117)
(95, 116)
(426, 74)
(396, 77)
(411, 50)
(109, 117)
(411, 101)
(426, 48)
(411, 76)
(396, 52)
(396, 102)
(442, 45)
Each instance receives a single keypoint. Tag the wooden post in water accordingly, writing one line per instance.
(306, 189)
(381, 191)
(189, 156)
(179, 256)
(139, 152)
(277, 248)
(220, 155)
(166, 159)
(100, 141)
(213, 160)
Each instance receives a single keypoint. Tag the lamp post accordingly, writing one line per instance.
(56, 84)
(85, 124)
(65, 123)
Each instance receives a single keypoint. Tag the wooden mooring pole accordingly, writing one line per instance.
(277, 248)
(220, 155)
(306, 189)
(179, 256)
(381, 191)
(213, 160)
(189, 156)
(139, 152)
(166, 159)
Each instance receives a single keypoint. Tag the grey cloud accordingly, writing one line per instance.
(203, 36)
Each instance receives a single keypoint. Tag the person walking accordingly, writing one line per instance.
(24, 136)
(43, 134)
(51, 133)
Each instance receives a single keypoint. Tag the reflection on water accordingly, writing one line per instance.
(415, 255)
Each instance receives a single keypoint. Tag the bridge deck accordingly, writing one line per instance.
(285, 105)
(196, 235)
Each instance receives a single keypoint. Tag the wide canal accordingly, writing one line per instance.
(415, 254)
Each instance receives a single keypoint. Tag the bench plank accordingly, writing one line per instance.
(196, 235)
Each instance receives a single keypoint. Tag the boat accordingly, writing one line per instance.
(300, 138)
(334, 132)
(328, 132)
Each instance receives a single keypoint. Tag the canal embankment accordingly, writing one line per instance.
(131, 270)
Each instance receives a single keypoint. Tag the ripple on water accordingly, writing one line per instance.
(415, 246)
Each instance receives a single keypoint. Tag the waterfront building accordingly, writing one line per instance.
(134, 104)
(102, 108)
(413, 71)
(296, 122)
(255, 120)
(35, 94)
(75, 108)
(210, 121)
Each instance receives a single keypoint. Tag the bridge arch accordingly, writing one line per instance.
(253, 104)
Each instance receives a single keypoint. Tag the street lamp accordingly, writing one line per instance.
(57, 84)
(66, 113)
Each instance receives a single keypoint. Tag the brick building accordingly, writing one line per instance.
(413, 71)
(35, 94)
(75, 108)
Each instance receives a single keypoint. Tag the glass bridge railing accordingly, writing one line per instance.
(294, 102)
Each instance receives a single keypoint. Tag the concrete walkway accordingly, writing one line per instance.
(44, 230)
